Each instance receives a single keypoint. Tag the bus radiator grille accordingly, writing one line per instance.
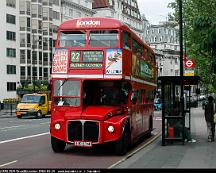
(83, 130)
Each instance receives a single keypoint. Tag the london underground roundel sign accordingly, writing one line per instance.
(189, 64)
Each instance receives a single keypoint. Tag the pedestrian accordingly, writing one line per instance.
(209, 117)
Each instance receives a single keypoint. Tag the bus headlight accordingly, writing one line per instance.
(57, 126)
(111, 129)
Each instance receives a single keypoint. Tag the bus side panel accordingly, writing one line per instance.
(126, 62)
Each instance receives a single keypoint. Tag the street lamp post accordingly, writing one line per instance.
(181, 37)
(181, 52)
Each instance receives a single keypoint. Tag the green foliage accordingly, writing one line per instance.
(199, 18)
(11, 100)
(39, 85)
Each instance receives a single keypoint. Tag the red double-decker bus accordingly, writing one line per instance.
(103, 85)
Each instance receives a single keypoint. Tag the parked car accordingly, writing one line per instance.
(157, 104)
(202, 97)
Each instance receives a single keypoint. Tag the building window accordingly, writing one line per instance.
(11, 3)
(70, 12)
(11, 86)
(28, 22)
(11, 69)
(29, 71)
(56, 2)
(22, 40)
(34, 71)
(11, 35)
(11, 52)
(40, 71)
(56, 15)
(45, 72)
(22, 71)
(11, 19)
(22, 56)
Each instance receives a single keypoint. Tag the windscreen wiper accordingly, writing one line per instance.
(62, 84)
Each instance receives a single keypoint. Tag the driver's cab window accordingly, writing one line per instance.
(42, 100)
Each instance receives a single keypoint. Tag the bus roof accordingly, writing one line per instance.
(97, 23)
(92, 22)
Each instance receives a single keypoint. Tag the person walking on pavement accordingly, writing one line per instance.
(209, 117)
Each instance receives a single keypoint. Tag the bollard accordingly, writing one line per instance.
(171, 132)
(11, 108)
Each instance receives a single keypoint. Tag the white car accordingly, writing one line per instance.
(202, 97)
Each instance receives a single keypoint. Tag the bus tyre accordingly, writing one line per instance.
(58, 146)
(122, 146)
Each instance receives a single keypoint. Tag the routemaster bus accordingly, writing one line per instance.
(103, 85)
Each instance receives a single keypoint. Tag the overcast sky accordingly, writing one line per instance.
(154, 10)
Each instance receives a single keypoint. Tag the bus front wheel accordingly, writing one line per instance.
(122, 146)
(57, 145)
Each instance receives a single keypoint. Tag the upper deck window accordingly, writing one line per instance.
(152, 58)
(72, 39)
(126, 40)
(104, 38)
(137, 47)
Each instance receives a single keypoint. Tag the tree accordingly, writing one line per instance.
(199, 18)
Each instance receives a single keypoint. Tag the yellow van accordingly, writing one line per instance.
(37, 105)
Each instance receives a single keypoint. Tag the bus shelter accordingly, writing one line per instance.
(176, 107)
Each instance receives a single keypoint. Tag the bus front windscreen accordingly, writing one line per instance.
(73, 39)
(67, 92)
(104, 38)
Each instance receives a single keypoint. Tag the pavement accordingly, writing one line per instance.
(198, 155)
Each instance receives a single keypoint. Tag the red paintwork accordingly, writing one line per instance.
(98, 112)
(137, 115)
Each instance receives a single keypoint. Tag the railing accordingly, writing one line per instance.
(8, 109)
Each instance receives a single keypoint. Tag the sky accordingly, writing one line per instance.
(154, 10)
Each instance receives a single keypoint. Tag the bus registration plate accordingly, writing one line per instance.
(83, 143)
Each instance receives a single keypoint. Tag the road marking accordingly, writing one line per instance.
(134, 152)
(26, 137)
(9, 163)
(11, 127)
